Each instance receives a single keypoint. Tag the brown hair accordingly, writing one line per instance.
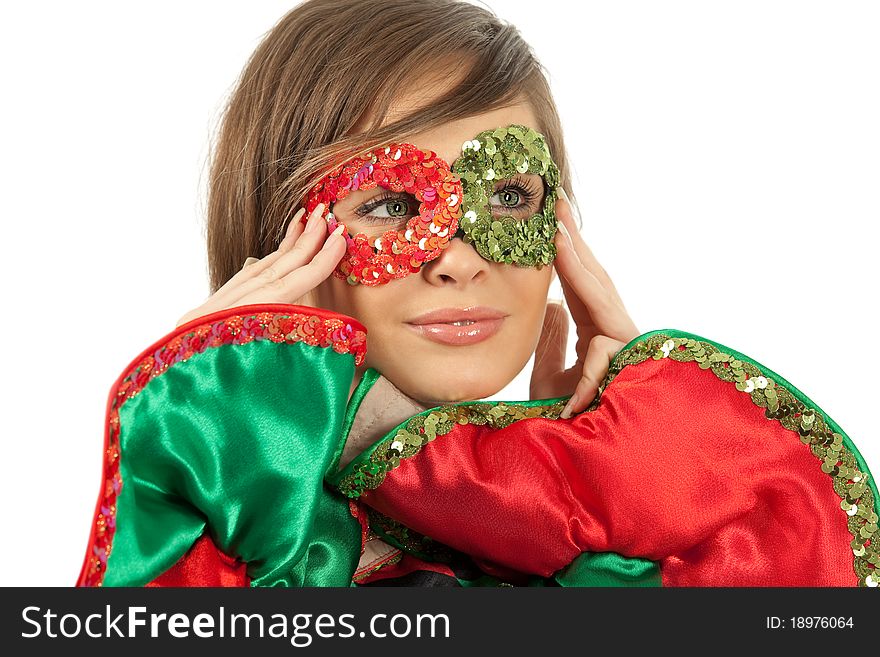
(324, 66)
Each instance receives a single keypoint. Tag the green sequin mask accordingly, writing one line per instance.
(501, 154)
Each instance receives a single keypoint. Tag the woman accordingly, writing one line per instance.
(262, 443)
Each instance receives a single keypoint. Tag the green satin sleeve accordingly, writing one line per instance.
(235, 441)
(609, 569)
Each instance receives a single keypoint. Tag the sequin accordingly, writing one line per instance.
(445, 193)
(422, 429)
(401, 536)
(509, 150)
(780, 404)
(665, 349)
(398, 167)
(236, 329)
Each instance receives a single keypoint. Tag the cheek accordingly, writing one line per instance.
(530, 287)
(358, 301)
(331, 294)
(404, 358)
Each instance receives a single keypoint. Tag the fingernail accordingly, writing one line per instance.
(568, 205)
(574, 216)
(337, 231)
(287, 240)
(315, 218)
(294, 220)
(566, 236)
(249, 260)
(566, 412)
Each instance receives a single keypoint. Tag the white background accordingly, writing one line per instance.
(725, 157)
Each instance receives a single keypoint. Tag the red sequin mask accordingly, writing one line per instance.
(396, 253)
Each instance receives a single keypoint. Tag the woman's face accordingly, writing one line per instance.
(430, 358)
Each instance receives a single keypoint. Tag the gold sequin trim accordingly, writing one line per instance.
(422, 429)
(407, 539)
(850, 483)
(383, 562)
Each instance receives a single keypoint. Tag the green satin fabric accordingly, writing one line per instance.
(369, 377)
(238, 439)
(609, 569)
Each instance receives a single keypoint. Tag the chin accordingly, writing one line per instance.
(454, 385)
(443, 374)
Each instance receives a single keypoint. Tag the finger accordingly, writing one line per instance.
(552, 344)
(589, 293)
(294, 229)
(565, 214)
(302, 280)
(297, 233)
(270, 270)
(602, 350)
(227, 294)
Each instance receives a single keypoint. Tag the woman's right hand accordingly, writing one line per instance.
(306, 257)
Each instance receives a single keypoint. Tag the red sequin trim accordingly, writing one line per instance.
(317, 327)
(358, 512)
(397, 253)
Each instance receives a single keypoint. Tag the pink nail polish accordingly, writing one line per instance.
(337, 231)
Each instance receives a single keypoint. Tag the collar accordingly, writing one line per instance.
(382, 408)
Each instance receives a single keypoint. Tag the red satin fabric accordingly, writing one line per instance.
(674, 465)
(204, 565)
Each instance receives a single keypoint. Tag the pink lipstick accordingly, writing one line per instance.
(459, 326)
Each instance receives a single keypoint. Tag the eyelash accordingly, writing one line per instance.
(517, 184)
(371, 205)
(521, 185)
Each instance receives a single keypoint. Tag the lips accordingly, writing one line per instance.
(459, 326)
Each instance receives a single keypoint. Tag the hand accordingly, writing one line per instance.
(601, 320)
(305, 258)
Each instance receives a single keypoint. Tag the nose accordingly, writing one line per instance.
(458, 264)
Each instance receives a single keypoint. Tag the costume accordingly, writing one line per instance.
(235, 457)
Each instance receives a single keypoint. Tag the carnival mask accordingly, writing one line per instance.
(453, 202)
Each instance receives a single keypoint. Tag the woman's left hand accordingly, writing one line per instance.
(602, 322)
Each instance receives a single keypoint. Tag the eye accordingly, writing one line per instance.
(388, 208)
(517, 196)
(507, 197)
